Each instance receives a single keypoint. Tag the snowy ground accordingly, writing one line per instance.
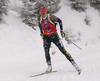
(22, 54)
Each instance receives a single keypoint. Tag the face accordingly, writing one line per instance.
(43, 14)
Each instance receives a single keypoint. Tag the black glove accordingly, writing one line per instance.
(41, 36)
(62, 33)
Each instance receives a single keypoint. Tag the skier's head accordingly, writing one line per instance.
(43, 11)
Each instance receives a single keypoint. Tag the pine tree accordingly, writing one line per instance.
(78, 5)
(95, 4)
(3, 9)
(30, 11)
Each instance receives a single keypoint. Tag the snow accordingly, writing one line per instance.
(22, 54)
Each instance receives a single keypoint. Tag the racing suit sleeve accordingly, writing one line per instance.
(60, 23)
(40, 26)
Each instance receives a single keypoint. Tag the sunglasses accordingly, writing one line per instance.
(42, 12)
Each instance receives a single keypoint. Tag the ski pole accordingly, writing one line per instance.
(76, 45)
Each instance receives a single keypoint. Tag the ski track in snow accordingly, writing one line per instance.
(21, 55)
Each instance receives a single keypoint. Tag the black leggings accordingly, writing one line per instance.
(56, 40)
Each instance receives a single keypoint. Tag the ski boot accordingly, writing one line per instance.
(49, 69)
(76, 67)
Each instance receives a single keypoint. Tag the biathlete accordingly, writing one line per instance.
(48, 31)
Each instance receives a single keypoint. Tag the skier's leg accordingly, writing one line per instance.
(68, 56)
(47, 55)
(46, 49)
(59, 44)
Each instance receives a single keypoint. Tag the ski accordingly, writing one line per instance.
(44, 73)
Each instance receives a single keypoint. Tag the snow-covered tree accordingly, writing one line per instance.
(3, 9)
(95, 4)
(30, 11)
(70, 37)
(78, 5)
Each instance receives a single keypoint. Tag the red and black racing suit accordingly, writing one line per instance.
(48, 30)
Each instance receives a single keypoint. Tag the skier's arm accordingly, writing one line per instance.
(56, 19)
(61, 27)
(41, 32)
(40, 26)
(60, 23)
